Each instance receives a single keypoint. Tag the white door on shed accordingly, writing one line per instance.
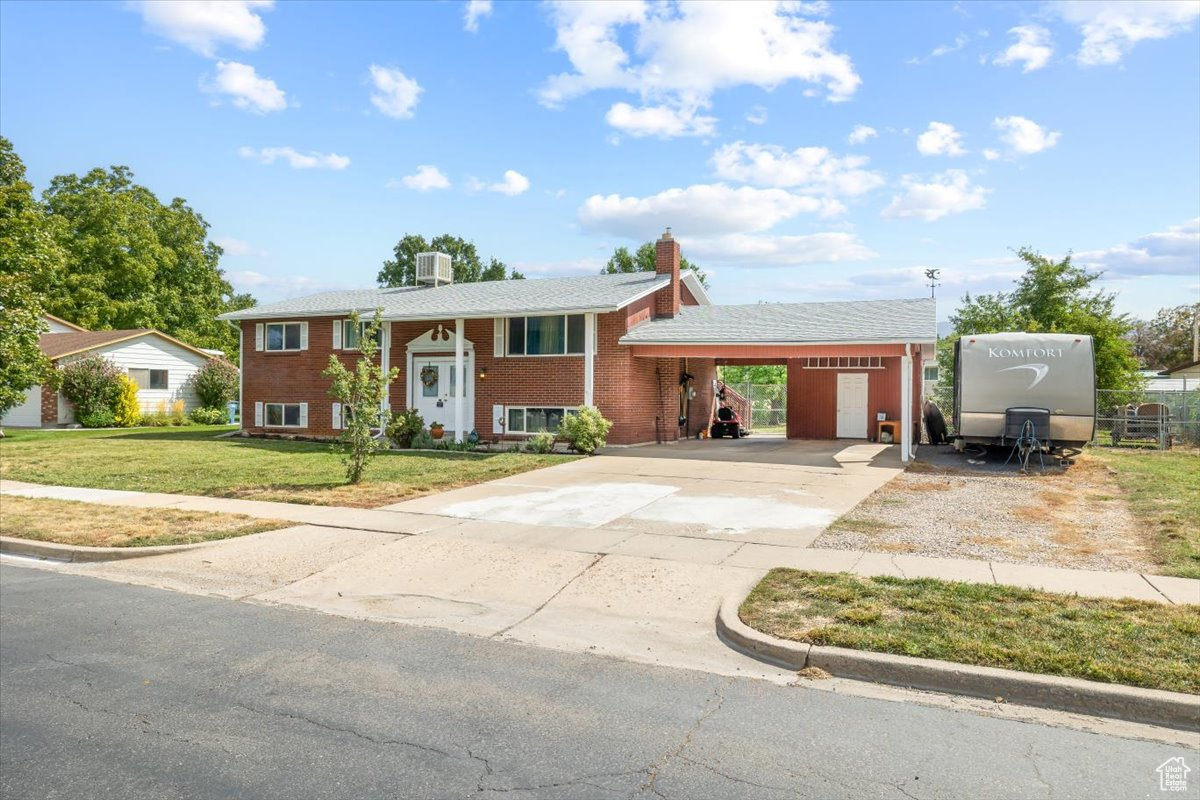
(852, 405)
(29, 413)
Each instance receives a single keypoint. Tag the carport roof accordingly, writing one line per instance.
(844, 322)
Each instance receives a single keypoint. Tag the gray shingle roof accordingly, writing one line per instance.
(486, 299)
(794, 323)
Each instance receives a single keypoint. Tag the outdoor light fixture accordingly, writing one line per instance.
(482, 373)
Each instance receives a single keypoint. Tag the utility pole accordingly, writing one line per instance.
(932, 275)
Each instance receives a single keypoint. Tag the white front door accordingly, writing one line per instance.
(436, 390)
(852, 405)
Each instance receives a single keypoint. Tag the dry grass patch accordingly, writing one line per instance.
(70, 522)
(1130, 642)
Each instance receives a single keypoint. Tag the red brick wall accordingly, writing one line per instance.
(49, 405)
(666, 254)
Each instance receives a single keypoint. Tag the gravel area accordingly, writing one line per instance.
(1075, 518)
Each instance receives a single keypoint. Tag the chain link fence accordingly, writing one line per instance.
(767, 403)
(1144, 418)
(1147, 418)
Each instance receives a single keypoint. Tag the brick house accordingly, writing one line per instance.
(509, 358)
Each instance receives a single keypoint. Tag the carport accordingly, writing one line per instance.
(850, 363)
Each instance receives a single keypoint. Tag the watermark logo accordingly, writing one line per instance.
(1172, 775)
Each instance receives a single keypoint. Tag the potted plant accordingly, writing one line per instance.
(436, 430)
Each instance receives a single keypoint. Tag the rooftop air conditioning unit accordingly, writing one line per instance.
(434, 269)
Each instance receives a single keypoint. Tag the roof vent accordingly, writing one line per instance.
(434, 269)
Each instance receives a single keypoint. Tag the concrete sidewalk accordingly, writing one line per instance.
(749, 551)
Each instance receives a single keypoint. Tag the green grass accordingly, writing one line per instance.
(1163, 490)
(69, 522)
(1131, 642)
(192, 461)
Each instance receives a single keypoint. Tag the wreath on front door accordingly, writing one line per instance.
(429, 376)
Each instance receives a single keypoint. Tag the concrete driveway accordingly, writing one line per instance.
(626, 554)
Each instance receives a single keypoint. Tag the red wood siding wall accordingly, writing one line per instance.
(812, 398)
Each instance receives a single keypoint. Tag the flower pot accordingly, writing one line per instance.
(437, 432)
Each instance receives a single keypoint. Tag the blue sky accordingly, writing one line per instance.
(313, 136)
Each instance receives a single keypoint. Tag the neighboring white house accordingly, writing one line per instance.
(161, 366)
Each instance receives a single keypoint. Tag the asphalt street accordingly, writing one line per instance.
(118, 691)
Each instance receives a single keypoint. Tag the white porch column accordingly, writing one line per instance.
(906, 420)
(460, 379)
(589, 359)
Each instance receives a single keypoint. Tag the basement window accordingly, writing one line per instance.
(283, 415)
(532, 420)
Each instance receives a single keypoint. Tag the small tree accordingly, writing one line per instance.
(216, 383)
(93, 385)
(127, 412)
(586, 431)
(361, 392)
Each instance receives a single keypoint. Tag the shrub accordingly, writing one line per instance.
(156, 420)
(96, 418)
(127, 412)
(216, 383)
(541, 442)
(586, 431)
(404, 427)
(179, 413)
(422, 440)
(92, 384)
(209, 416)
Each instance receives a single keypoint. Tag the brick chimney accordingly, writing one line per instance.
(666, 262)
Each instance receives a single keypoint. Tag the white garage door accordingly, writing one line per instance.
(29, 413)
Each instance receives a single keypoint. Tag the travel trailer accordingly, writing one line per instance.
(1002, 380)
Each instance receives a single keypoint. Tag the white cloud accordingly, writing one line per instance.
(861, 133)
(1111, 28)
(679, 54)
(941, 139)
(279, 287)
(805, 168)
(245, 88)
(426, 177)
(990, 154)
(395, 93)
(475, 10)
(294, 158)
(757, 115)
(236, 247)
(1032, 49)
(713, 208)
(663, 121)
(514, 183)
(203, 25)
(960, 42)
(579, 266)
(766, 250)
(950, 192)
(1175, 251)
(1025, 136)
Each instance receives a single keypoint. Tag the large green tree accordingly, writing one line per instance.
(1166, 340)
(135, 262)
(29, 253)
(644, 260)
(1054, 297)
(401, 269)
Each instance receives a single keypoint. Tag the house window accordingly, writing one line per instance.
(350, 334)
(149, 378)
(283, 415)
(931, 373)
(561, 334)
(283, 336)
(532, 420)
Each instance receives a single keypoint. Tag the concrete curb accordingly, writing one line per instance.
(82, 554)
(1149, 706)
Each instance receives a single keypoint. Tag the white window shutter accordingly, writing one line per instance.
(498, 337)
(337, 335)
(304, 415)
(337, 416)
(258, 336)
(258, 411)
(498, 420)
(303, 335)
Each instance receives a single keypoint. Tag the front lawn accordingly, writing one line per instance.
(192, 461)
(69, 522)
(1163, 489)
(1131, 642)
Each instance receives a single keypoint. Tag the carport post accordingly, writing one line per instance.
(460, 379)
(906, 421)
